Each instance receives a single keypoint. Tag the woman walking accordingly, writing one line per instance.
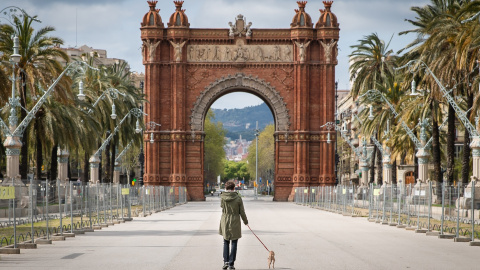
(230, 227)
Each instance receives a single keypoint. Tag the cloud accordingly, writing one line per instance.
(236, 100)
(114, 25)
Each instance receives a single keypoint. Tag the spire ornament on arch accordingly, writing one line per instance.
(152, 18)
(301, 18)
(179, 19)
(327, 17)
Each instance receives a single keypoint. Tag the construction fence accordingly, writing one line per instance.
(446, 209)
(41, 209)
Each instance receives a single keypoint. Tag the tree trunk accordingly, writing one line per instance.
(86, 167)
(466, 147)
(450, 144)
(379, 168)
(372, 166)
(54, 164)
(436, 176)
(39, 153)
(23, 114)
(394, 172)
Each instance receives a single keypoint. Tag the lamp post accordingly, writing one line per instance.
(336, 142)
(387, 167)
(472, 130)
(95, 158)
(151, 128)
(422, 153)
(13, 132)
(361, 153)
(256, 160)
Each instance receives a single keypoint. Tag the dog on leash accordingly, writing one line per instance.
(271, 259)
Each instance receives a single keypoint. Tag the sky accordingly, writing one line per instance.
(114, 25)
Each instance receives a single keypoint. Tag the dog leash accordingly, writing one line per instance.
(258, 238)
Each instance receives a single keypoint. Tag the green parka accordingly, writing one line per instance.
(232, 210)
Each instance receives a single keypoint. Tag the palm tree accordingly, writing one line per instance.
(371, 61)
(431, 48)
(38, 66)
(96, 83)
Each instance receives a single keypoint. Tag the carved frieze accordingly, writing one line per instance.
(240, 53)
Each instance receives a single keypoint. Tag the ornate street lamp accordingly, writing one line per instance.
(151, 128)
(95, 158)
(363, 156)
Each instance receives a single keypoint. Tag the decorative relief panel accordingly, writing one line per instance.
(240, 53)
(285, 77)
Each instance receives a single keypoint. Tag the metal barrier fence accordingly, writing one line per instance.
(451, 210)
(41, 209)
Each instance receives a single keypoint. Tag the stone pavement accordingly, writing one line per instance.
(185, 237)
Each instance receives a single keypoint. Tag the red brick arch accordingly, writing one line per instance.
(187, 69)
(240, 82)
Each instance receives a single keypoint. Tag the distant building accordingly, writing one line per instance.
(236, 150)
(100, 59)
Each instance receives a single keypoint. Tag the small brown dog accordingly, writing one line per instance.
(271, 259)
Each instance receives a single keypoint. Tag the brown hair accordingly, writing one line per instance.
(229, 185)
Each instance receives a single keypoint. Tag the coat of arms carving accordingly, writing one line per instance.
(240, 28)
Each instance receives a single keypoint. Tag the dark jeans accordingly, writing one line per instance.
(229, 255)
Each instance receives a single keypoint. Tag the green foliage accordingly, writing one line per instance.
(235, 170)
(266, 153)
(213, 146)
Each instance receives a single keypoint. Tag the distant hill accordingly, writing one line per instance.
(242, 121)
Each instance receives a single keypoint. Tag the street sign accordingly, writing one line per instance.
(7, 193)
(125, 191)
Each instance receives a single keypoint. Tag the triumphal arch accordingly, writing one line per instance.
(292, 70)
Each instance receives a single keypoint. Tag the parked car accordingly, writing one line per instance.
(217, 192)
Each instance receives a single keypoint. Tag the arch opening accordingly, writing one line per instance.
(240, 83)
(239, 147)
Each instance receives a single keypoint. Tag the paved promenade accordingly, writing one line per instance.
(185, 237)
